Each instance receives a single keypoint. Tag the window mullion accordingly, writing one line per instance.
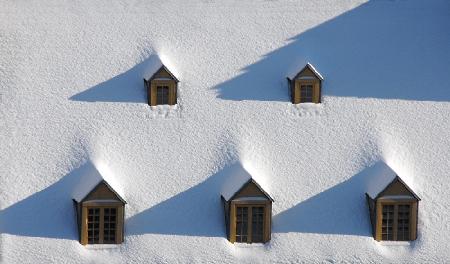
(395, 225)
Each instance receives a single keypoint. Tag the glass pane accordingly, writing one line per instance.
(162, 95)
(403, 222)
(306, 93)
(109, 226)
(93, 225)
(241, 224)
(257, 224)
(387, 222)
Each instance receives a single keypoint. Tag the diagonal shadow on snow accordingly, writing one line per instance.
(198, 211)
(340, 210)
(48, 213)
(127, 87)
(380, 49)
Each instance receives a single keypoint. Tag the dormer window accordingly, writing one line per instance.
(100, 211)
(393, 211)
(248, 210)
(305, 86)
(162, 88)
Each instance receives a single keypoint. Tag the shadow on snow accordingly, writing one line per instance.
(340, 210)
(127, 87)
(198, 211)
(48, 213)
(380, 49)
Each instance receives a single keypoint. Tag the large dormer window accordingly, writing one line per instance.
(248, 209)
(393, 210)
(306, 86)
(162, 88)
(100, 211)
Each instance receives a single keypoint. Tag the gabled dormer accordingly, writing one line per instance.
(162, 86)
(306, 85)
(100, 210)
(393, 207)
(248, 208)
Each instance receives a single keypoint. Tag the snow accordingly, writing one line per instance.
(71, 85)
(381, 175)
(237, 176)
(90, 178)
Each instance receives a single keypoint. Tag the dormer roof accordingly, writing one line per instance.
(238, 179)
(295, 73)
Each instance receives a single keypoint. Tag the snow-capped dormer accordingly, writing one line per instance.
(161, 87)
(393, 206)
(305, 85)
(248, 208)
(100, 209)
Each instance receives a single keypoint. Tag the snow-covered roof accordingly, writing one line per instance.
(295, 71)
(380, 176)
(237, 177)
(90, 177)
(155, 63)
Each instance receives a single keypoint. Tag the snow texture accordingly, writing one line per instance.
(237, 177)
(71, 91)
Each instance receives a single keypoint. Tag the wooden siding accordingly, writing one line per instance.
(250, 190)
(316, 83)
(306, 72)
(101, 192)
(395, 188)
(162, 73)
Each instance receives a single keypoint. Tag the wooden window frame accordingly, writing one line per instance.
(171, 84)
(396, 203)
(102, 205)
(266, 219)
(316, 85)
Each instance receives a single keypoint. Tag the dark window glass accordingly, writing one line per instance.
(109, 226)
(403, 222)
(257, 223)
(162, 95)
(306, 93)
(387, 222)
(241, 224)
(93, 225)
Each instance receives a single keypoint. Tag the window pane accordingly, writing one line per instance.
(109, 226)
(93, 225)
(241, 224)
(257, 224)
(306, 93)
(387, 222)
(403, 222)
(162, 95)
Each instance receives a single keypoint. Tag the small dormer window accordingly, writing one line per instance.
(393, 211)
(306, 85)
(162, 88)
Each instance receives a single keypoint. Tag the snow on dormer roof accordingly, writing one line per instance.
(90, 177)
(238, 177)
(295, 71)
(381, 176)
(155, 64)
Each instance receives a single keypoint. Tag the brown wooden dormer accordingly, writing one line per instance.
(100, 215)
(306, 86)
(248, 214)
(394, 212)
(162, 88)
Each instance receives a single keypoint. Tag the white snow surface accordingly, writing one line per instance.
(90, 177)
(235, 177)
(71, 91)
